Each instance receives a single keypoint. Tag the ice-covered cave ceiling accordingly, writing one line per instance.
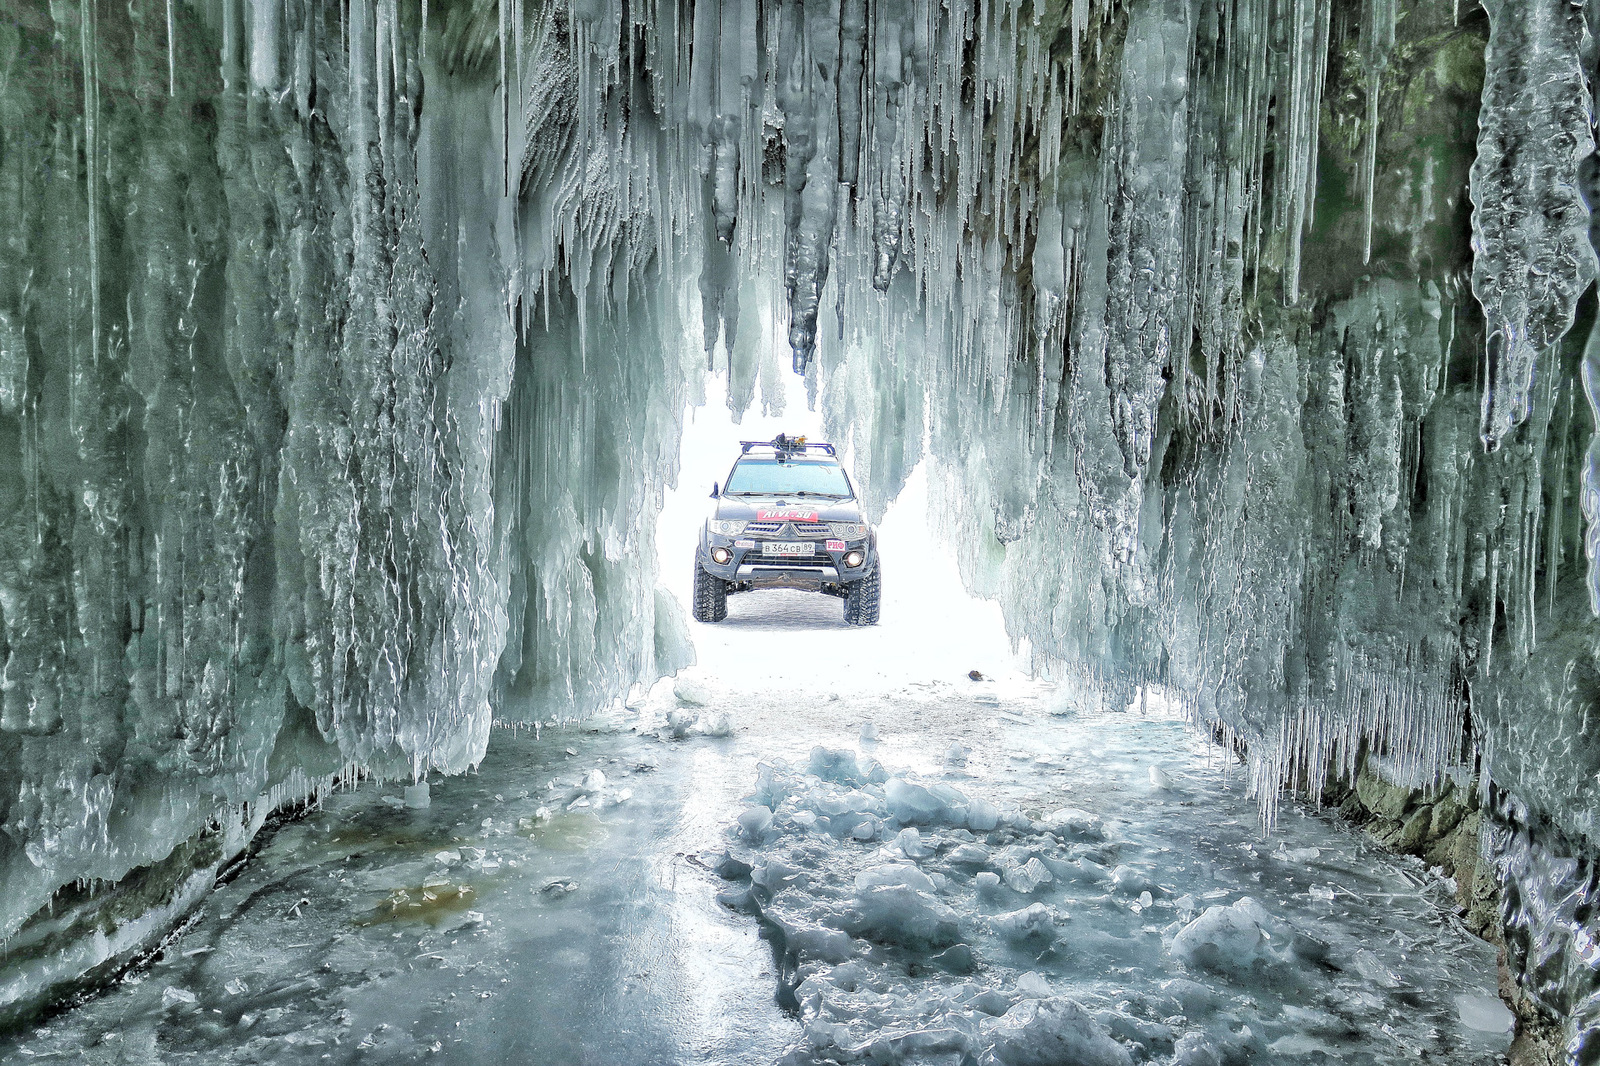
(344, 347)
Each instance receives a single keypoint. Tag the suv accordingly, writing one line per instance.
(787, 517)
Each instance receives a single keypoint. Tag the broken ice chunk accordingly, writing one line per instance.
(987, 882)
(1371, 967)
(1131, 881)
(236, 987)
(956, 756)
(171, 996)
(1055, 1030)
(1486, 1014)
(869, 732)
(1076, 822)
(593, 781)
(839, 767)
(911, 845)
(754, 823)
(969, 855)
(1032, 985)
(957, 959)
(1233, 939)
(982, 816)
(731, 867)
(1028, 877)
(1034, 920)
(680, 722)
(717, 724)
(1195, 1049)
(556, 887)
(417, 796)
(896, 904)
(1159, 778)
(691, 692)
(911, 803)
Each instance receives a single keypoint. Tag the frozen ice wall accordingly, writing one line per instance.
(1248, 340)
(237, 551)
(336, 398)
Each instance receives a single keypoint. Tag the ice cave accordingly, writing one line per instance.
(1220, 380)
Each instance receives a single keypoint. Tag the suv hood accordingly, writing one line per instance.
(786, 508)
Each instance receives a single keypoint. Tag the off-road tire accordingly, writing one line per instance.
(710, 594)
(861, 598)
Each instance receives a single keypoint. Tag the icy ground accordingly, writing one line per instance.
(480, 930)
(996, 869)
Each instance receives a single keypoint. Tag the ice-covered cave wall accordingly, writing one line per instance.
(1251, 341)
(342, 348)
(337, 396)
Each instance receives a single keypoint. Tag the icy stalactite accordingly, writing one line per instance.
(1590, 493)
(1143, 296)
(1532, 258)
(1377, 42)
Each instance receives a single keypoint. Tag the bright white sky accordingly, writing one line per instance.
(930, 629)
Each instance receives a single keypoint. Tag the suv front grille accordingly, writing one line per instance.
(795, 530)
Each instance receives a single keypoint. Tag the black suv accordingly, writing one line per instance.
(788, 518)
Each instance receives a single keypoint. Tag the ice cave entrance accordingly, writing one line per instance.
(932, 628)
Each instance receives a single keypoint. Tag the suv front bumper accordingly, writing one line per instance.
(749, 567)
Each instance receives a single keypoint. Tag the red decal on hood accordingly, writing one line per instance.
(786, 514)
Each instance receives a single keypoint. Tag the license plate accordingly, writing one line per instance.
(787, 547)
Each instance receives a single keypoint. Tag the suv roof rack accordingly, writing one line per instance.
(786, 446)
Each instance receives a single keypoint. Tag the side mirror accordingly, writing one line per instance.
(715, 492)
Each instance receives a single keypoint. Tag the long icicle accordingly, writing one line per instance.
(91, 147)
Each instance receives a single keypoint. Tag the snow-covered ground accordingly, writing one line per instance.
(818, 844)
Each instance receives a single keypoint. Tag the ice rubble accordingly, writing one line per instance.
(904, 934)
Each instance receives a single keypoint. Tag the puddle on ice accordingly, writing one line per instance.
(964, 875)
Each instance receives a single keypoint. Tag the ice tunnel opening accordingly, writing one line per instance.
(797, 641)
(1239, 345)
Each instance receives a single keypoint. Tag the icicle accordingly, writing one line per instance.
(1589, 498)
(1532, 257)
(91, 146)
(172, 58)
(1377, 42)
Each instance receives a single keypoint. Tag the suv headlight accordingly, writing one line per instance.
(727, 529)
(848, 530)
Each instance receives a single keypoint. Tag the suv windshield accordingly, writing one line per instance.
(768, 477)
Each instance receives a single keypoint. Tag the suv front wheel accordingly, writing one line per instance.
(711, 594)
(861, 598)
